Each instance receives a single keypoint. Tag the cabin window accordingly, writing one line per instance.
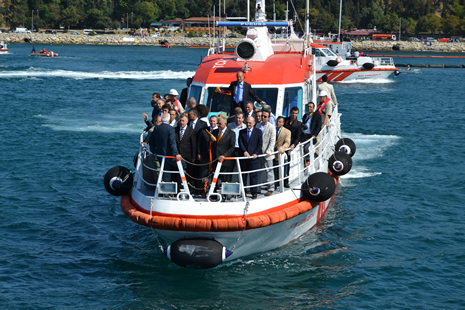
(269, 95)
(195, 92)
(292, 98)
(218, 102)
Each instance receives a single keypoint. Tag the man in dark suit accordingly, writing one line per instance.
(184, 92)
(241, 92)
(186, 141)
(250, 143)
(295, 127)
(199, 126)
(225, 143)
(311, 126)
(163, 142)
(194, 121)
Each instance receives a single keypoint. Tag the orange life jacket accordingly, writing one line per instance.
(321, 106)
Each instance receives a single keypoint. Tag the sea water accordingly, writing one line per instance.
(394, 238)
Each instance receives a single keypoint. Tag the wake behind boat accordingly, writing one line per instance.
(202, 231)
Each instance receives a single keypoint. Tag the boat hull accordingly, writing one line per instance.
(343, 75)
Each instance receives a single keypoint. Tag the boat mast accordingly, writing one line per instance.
(340, 16)
(307, 24)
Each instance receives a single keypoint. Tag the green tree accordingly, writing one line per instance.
(372, 16)
(391, 23)
(451, 24)
(147, 12)
(70, 17)
(429, 23)
(410, 26)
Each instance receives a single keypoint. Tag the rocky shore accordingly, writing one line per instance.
(179, 40)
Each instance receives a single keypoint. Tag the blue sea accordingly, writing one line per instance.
(394, 239)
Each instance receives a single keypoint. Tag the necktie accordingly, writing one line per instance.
(192, 125)
(221, 134)
(182, 134)
(277, 133)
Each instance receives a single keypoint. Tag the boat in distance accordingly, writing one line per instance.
(225, 223)
(3, 48)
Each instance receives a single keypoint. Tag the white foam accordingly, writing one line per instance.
(82, 75)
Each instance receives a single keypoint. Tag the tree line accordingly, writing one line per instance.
(412, 16)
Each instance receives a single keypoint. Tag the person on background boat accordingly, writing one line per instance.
(268, 144)
(328, 88)
(324, 108)
(163, 142)
(241, 92)
(237, 126)
(225, 145)
(33, 49)
(283, 140)
(185, 92)
(186, 141)
(250, 143)
(294, 126)
(174, 97)
(173, 118)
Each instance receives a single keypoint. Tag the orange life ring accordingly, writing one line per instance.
(339, 59)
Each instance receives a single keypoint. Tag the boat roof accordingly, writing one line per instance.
(278, 69)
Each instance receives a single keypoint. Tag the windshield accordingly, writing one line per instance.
(218, 102)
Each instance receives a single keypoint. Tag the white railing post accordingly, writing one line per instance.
(215, 177)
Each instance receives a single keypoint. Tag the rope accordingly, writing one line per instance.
(246, 209)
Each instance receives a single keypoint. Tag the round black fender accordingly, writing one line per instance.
(332, 63)
(346, 145)
(319, 187)
(118, 181)
(396, 72)
(197, 253)
(368, 65)
(136, 157)
(340, 163)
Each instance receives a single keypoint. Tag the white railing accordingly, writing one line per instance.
(298, 170)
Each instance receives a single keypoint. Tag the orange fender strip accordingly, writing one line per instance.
(215, 224)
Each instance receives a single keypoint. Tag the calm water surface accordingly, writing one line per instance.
(393, 240)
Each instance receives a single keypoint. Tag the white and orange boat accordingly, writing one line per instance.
(3, 48)
(203, 232)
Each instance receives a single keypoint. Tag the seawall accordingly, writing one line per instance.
(179, 40)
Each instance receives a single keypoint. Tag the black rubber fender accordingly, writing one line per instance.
(118, 181)
(340, 163)
(319, 186)
(346, 145)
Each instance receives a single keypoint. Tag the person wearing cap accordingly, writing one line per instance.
(324, 108)
(174, 97)
(328, 88)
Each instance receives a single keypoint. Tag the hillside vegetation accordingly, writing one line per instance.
(429, 16)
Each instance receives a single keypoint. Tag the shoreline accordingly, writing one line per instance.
(118, 39)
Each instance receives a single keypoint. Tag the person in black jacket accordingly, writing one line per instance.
(225, 144)
(295, 127)
(184, 92)
(311, 126)
(186, 141)
(241, 92)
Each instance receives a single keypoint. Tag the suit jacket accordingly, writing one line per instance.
(183, 98)
(268, 139)
(246, 95)
(204, 145)
(295, 129)
(315, 125)
(163, 141)
(227, 143)
(188, 146)
(283, 140)
(254, 146)
(329, 89)
(199, 125)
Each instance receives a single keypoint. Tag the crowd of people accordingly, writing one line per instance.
(180, 129)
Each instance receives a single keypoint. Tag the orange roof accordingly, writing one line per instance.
(278, 69)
